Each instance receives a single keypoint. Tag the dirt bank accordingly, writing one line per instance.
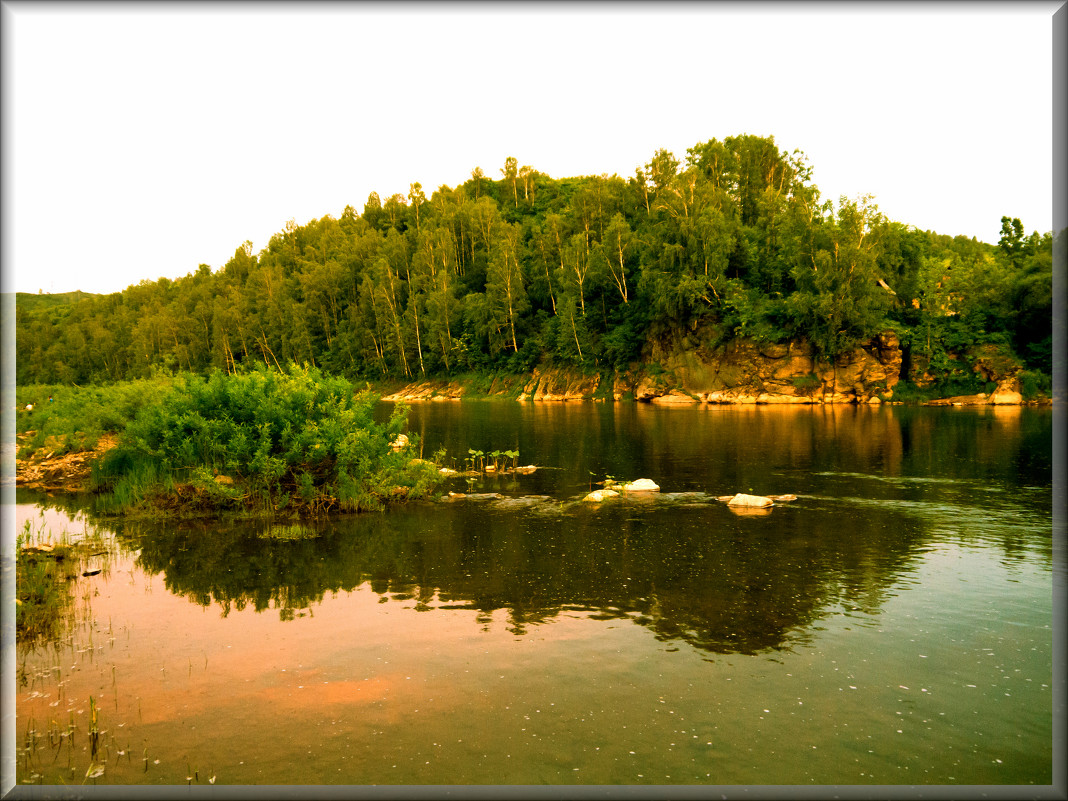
(68, 472)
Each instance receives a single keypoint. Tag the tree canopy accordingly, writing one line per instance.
(733, 238)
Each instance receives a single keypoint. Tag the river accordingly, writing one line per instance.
(891, 626)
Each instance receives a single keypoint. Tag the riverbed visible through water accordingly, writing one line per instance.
(892, 625)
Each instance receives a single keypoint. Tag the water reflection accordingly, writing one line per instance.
(876, 488)
(690, 572)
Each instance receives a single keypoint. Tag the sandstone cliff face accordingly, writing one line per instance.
(427, 390)
(738, 372)
(743, 371)
(560, 384)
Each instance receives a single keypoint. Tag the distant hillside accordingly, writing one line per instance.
(30, 302)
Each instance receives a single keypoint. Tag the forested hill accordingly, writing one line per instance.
(503, 272)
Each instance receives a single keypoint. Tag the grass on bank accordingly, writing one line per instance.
(67, 418)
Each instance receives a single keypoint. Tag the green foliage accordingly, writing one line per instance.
(70, 418)
(298, 438)
(1035, 385)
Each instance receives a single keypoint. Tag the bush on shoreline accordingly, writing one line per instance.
(295, 440)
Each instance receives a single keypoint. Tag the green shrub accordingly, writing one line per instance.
(1035, 384)
(297, 438)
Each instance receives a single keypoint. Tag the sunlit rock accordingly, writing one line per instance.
(675, 396)
(741, 499)
(1006, 393)
(526, 469)
(641, 485)
(400, 442)
(600, 495)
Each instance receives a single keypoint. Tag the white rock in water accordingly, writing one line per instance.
(741, 499)
(641, 485)
(600, 495)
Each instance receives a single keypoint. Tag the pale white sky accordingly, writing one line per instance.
(143, 139)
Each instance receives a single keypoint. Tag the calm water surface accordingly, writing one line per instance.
(892, 625)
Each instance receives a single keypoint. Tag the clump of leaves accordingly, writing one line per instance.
(297, 439)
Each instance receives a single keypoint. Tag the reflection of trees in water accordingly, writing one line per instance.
(698, 574)
(237, 566)
(900, 478)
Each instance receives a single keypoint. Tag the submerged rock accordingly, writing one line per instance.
(690, 498)
(521, 502)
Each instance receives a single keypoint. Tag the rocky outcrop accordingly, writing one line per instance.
(1006, 394)
(428, 390)
(743, 371)
(740, 371)
(560, 384)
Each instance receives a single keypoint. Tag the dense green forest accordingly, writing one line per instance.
(501, 273)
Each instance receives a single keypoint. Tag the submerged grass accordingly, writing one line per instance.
(45, 570)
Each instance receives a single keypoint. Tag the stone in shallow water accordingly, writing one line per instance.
(600, 495)
(741, 499)
(641, 485)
